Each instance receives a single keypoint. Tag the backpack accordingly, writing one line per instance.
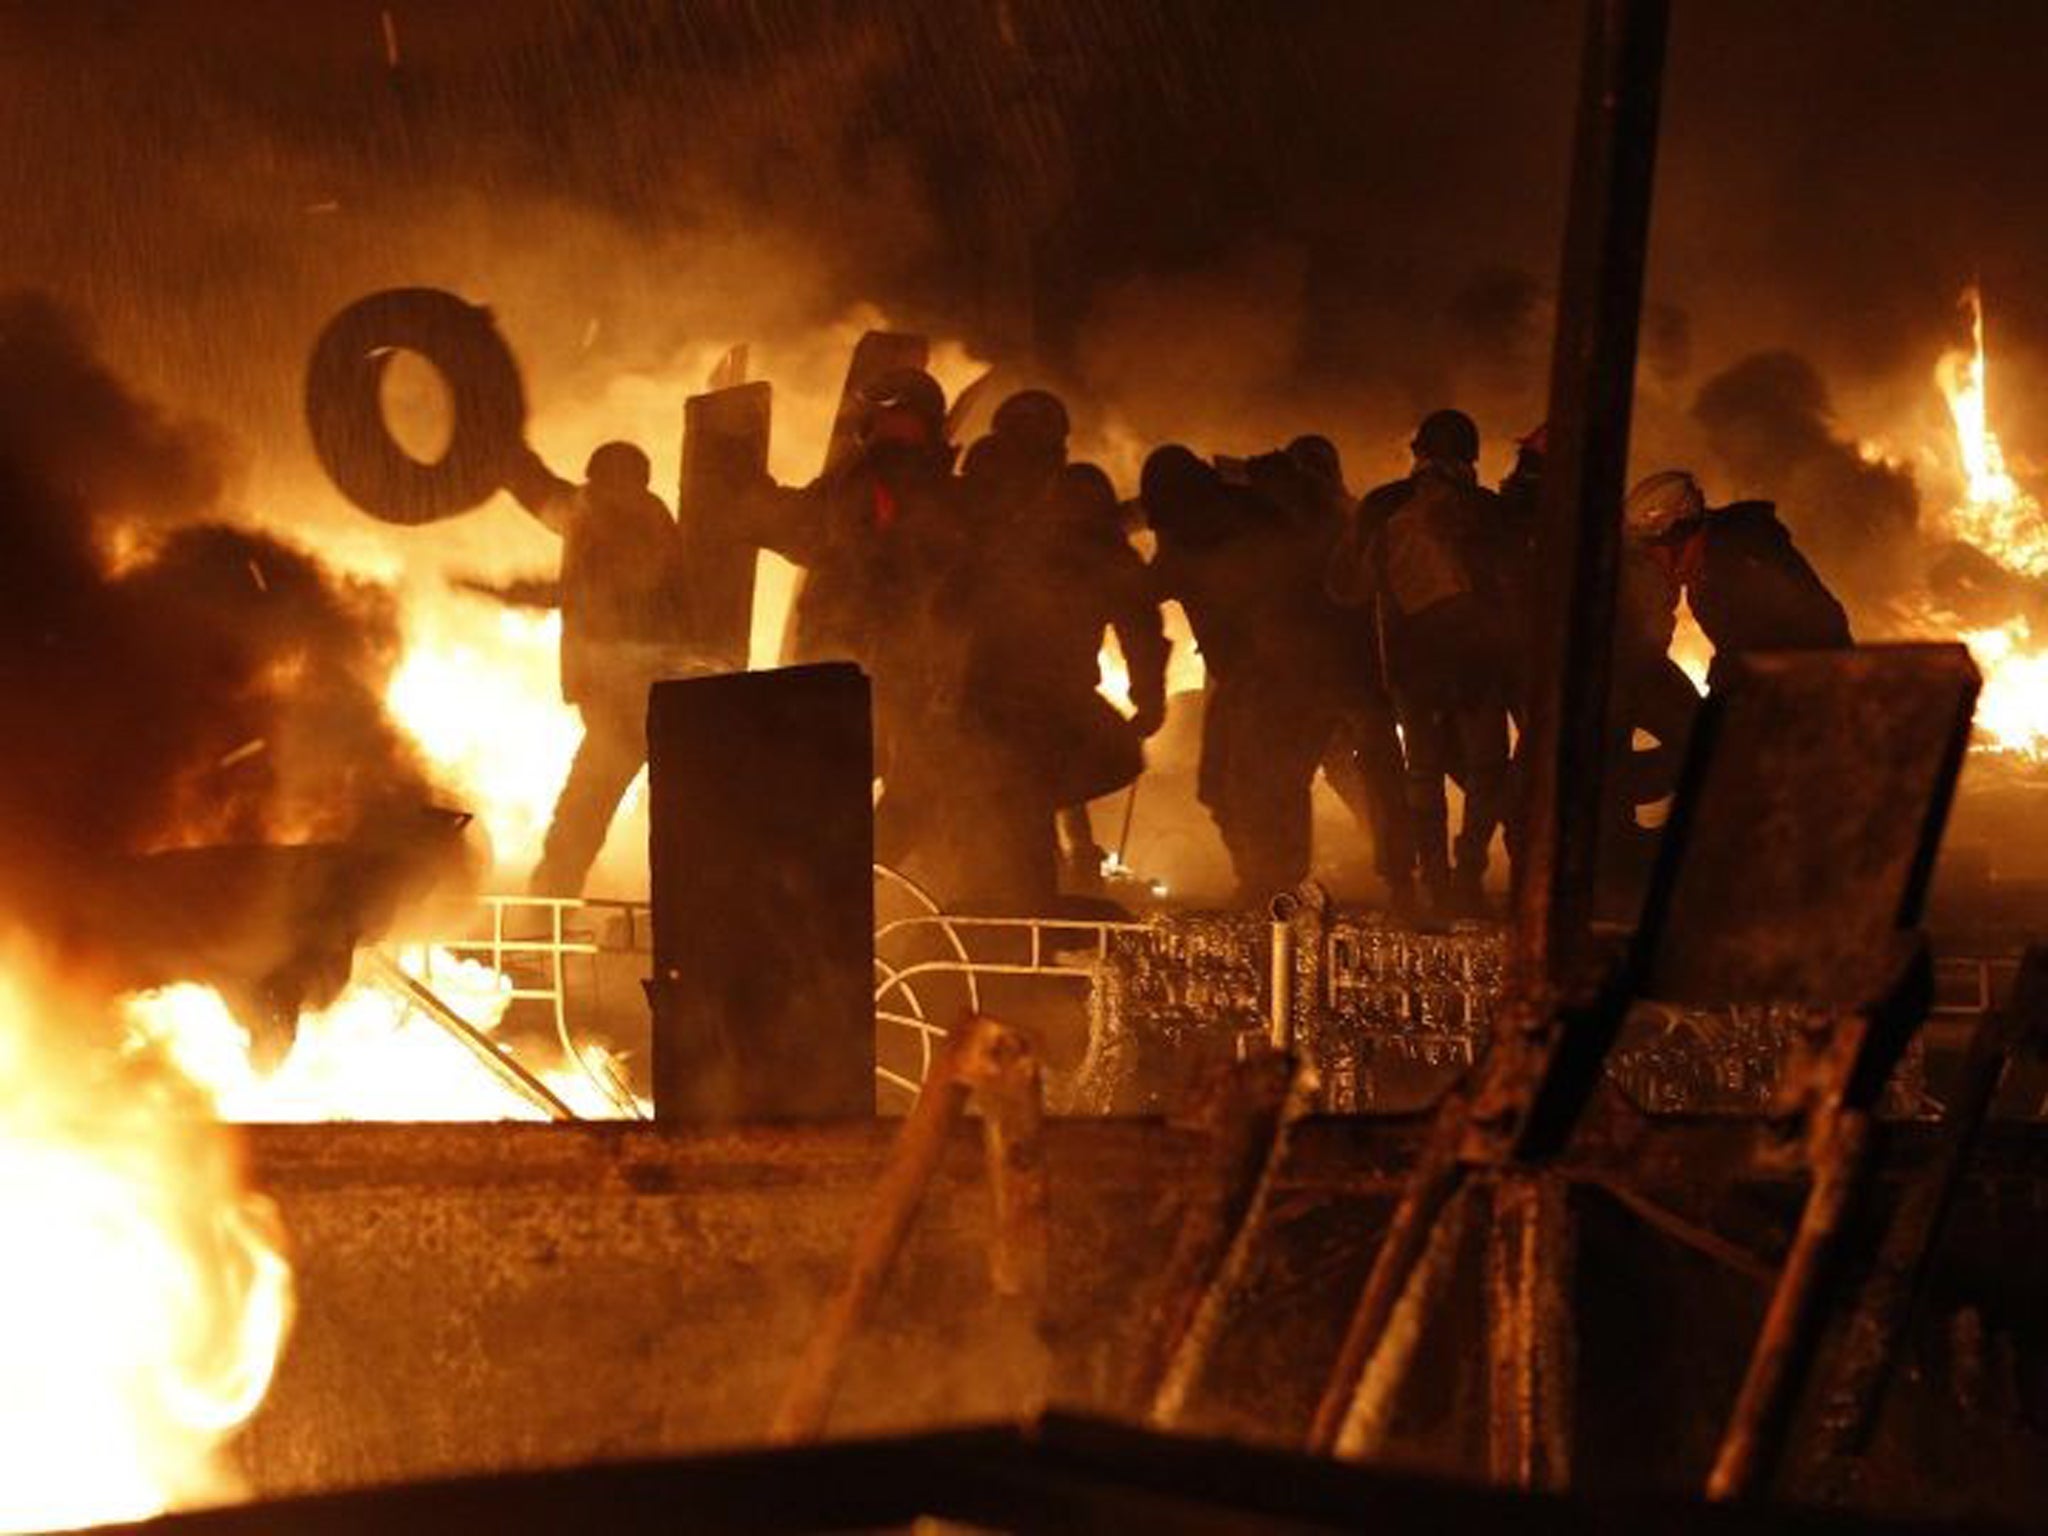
(1423, 558)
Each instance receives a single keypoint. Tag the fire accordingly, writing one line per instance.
(144, 1299)
(1995, 514)
(371, 1055)
(2000, 518)
(478, 685)
(476, 690)
(2012, 711)
(1690, 647)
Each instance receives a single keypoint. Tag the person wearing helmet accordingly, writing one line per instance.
(1051, 579)
(624, 614)
(1737, 568)
(1652, 704)
(1748, 588)
(1362, 760)
(1015, 464)
(872, 530)
(882, 538)
(1519, 502)
(1243, 556)
(1424, 554)
(1021, 466)
(1746, 582)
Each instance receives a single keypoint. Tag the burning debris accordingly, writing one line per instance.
(146, 1295)
(1769, 421)
(2003, 552)
(145, 649)
(227, 837)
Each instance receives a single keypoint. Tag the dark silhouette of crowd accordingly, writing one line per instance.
(1380, 641)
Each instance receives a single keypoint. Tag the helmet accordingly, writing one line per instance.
(1033, 415)
(1660, 502)
(1087, 494)
(909, 395)
(1318, 455)
(1447, 435)
(618, 467)
(1172, 472)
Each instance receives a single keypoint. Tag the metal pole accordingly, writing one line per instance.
(1530, 1346)
(1188, 1359)
(1280, 1009)
(1579, 533)
(885, 1228)
(1578, 557)
(1123, 840)
(468, 1036)
(984, 1059)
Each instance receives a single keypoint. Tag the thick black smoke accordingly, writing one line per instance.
(165, 682)
(1208, 221)
(1769, 423)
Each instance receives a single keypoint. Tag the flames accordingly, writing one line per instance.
(372, 1055)
(142, 1317)
(144, 1298)
(1995, 513)
(2012, 711)
(476, 690)
(1997, 516)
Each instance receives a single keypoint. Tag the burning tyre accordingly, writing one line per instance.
(345, 408)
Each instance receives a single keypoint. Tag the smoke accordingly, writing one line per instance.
(1203, 221)
(1769, 422)
(633, 187)
(624, 183)
(166, 682)
(1501, 317)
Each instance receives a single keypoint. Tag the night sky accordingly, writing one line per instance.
(1204, 219)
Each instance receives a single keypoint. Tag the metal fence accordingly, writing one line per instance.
(1389, 1015)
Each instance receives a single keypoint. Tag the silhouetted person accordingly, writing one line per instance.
(1514, 558)
(1247, 571)
(1362, 760)
(1652, 703)
(1009, 478)
(1051, 581)
(1014, 466)
(1746, 582)
(870, 533)
(893, 557)
(1749, 589)
(623, 623)
(1424, 553)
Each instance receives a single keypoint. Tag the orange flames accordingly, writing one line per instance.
(2000, 518)
(1995, 514)
(371, 1055)
(477, 691)
(144, 1298)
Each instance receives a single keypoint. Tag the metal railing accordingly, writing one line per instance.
(917, 954)
(1052, 948)
(524, 930)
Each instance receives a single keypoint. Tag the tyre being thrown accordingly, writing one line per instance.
(345, 408)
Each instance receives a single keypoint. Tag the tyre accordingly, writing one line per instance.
(345, 412)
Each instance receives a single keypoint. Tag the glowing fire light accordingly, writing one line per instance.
(477, 691)
(370, 1056)
(1999, 517)
(2012, 711)
(1995, 514)
(144, 1298)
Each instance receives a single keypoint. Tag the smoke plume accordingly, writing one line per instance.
(167, 682)
(1769, 422)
